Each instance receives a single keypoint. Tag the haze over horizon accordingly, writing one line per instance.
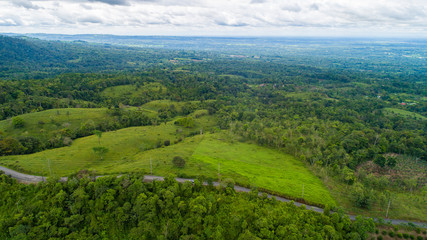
(364, 18)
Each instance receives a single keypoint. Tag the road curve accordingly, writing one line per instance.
(26, 178)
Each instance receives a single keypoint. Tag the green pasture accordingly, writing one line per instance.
(45, 122)
(404, 113)
(265, 168)
(135, 149)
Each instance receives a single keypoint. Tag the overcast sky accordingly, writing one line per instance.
(376, 18)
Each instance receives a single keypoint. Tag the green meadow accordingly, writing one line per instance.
(136, 149)
(404, 113)
(46, 122)
(262, 167)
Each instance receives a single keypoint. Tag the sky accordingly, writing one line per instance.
(367, 18)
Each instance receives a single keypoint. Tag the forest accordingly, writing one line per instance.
(360, 132)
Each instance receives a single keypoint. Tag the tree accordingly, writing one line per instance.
(178, 162)
(18, 122)
(380, 160)
(11, 146)
(99, 134)
(391, 162)
(101, 151)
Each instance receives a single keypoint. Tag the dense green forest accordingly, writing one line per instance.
(362, 133)
(127, 208)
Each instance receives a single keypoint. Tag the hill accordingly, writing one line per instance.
(25, 58)
(144, 148)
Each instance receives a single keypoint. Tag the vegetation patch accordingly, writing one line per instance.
(261, 167)
(404, 113)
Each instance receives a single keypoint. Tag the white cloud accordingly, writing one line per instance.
(215, 17)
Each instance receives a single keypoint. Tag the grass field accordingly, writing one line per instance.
(262, 167)
(390, 111)
(132, 149)
(46, 122)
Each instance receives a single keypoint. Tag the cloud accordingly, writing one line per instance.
(113, 2)
(214, 16)
(231, 24)
(90, 19)
(291, 8)
(258, 1)
(314, 6)
(8, 22)
(25, 3)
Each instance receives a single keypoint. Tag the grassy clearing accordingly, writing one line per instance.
(122, 144)
(132, 149)
(46, 122)
(162, 104)
(250, 164)
(404, 113)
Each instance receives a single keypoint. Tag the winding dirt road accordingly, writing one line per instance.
(26, 178)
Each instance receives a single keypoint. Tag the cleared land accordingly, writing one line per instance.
(45, 122)
(132, 149)
(404, 113)
(132, 91)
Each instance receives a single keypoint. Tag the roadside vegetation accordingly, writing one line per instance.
(128, 208)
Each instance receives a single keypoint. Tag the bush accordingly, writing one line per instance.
(167, 143)
(178, 162)
(362, 197)
(187, 122)
(18, 122)
(380, 160)
(391, 234)
(405, 236)
(384, 232)
(412, 237)
(377, 231)
(380, 237)
(399, 235)
(159, 143)
(419, 238)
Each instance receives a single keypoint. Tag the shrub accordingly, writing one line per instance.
(178, 162)
(405, 236)
(18, 122)
(399, 235)
(159, 143)
(380, 160)
(412, 237)
(380, 237)
(384, 232)
(377, 231)
(391, 234)
(187, 122)
(167, 143)
(419, 238)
